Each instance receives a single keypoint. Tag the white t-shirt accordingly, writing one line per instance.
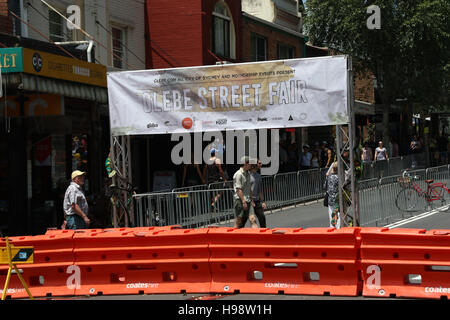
(381, 153)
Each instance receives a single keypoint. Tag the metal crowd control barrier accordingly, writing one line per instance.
(377, 197)
(203, 205)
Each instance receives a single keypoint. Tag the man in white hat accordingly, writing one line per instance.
(75, 204)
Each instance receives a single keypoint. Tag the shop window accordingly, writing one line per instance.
(118, 38)
(80, 155)
(258, 47)
(222, 31)
(285, 52)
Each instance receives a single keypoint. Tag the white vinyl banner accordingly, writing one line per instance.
(272, 94)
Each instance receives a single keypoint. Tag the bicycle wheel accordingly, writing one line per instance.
(407, 199)
(443, 201)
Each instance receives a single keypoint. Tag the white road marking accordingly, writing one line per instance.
(412, 219)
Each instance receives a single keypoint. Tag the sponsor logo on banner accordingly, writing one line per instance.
(290, 118)
(221, 121)
(187, 123)
(169, 124)
(152, 125)
(261, 119)
(242, 120)
(277, 118)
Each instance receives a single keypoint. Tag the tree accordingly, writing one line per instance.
(409, 55)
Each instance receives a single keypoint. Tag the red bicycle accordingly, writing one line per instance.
(437, 194)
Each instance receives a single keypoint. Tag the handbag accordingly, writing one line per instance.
(325, 200)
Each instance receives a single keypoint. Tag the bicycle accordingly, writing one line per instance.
(117, 199)
(408, 198)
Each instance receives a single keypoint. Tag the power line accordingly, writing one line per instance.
(42, 35)
(87, 34)
(64, 34)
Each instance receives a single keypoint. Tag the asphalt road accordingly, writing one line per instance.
(314, 214)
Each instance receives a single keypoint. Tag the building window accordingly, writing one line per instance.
(221, 30)
(117, 46)
(285, 52)
(258, 47)
(56, 26)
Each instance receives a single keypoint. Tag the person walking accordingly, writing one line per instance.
(381, 157)
(326, 156)
(213, 173)
(243, 203)
(305, 159)
(259, 204)
(315, 160)
(415, 147)
(366, 157)
(333, 197)
(192, 175)
(75, 204)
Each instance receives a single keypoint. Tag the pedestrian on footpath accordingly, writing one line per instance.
(333, 197)
(75, 204)
(305, 160)
(259, 205)
(366, 157)
(243, 204)
(381, 157)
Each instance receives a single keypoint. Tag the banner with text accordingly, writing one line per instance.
(273, 94)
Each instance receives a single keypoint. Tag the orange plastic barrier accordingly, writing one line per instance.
(142, 260)
(316, 261)
(410, 263)
(47, 276)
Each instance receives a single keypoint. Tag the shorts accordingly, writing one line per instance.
(239, 209)
(75, 222)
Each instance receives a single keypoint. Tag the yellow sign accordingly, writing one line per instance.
(12, 255)
(19, 255)
(64, 68)
(182, 195)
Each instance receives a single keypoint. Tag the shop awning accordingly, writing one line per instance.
(46, 85)
(64, 88)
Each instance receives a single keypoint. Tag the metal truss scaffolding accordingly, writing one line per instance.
(121, 163)
(345, 154)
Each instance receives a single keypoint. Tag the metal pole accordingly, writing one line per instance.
(351, 136)
(341, 173)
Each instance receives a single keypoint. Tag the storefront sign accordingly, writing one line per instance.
(51, 65)
(36, 105)
(272, 94)
(11, 60)
(64, 68)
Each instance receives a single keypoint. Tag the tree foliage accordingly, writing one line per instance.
(409, 55)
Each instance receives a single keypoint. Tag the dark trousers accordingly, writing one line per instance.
(259, 212)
